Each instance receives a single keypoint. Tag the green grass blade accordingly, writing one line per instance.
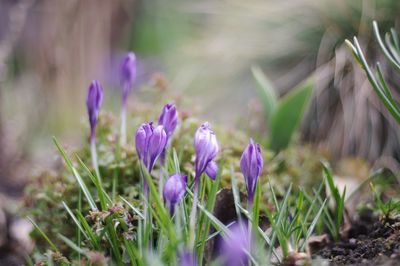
(383, 47)
(383, 83)
(392, 108)
(72, 245)
(210, 207)
(176, 161)
(76, 175)
(135, 210)
(43, 234)
(113, 241)
(103, 197)
(393, 51)
(93, 238)
(159, 209)
(235, 192)
(313, 224)
(133, 253)
(75, 220)
(395, 39)
(256, 206)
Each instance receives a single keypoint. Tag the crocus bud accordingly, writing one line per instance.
(174, 190)
(150, 142)
(251, 164)
(128, 74)
(93, 104)
(206, 146)
(169, 119)
(236, 245)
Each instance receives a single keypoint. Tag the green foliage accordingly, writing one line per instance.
(104, 220)
(334, 221)
(392, 52)
(120, 231)
(283, 116)
(388, 208)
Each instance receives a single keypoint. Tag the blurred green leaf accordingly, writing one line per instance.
(287, 116)
(265, 91)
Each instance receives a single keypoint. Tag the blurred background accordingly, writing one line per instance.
(50, 50)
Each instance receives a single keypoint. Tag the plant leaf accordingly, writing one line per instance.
(287, 116)
(265, 91)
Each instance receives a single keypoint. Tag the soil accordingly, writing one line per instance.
(370, 241)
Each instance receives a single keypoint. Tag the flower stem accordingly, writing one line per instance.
(123, 124)
(163, 176)
(249, 223)
(94, 154)
(193, 213)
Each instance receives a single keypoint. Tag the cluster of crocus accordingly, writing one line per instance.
(93, 103)
(151, 144)
(128, 77)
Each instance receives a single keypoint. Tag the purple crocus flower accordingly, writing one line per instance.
(169, 119)
(174, 190)
(128, 77)
(236, 245)
(150, 142)
(93, 103)
(251, 164)
(128, 74)
(206, 146)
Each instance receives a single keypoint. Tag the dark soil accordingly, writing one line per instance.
(370, 241)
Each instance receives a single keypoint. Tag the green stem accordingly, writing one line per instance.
(123, 124)
(193, 212)
(94, 155)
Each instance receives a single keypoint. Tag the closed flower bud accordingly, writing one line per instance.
(93, 104)
(150, 142)
(128, 74)
(169, 119)
(174, 189)
(206, 146)
(251, 164)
